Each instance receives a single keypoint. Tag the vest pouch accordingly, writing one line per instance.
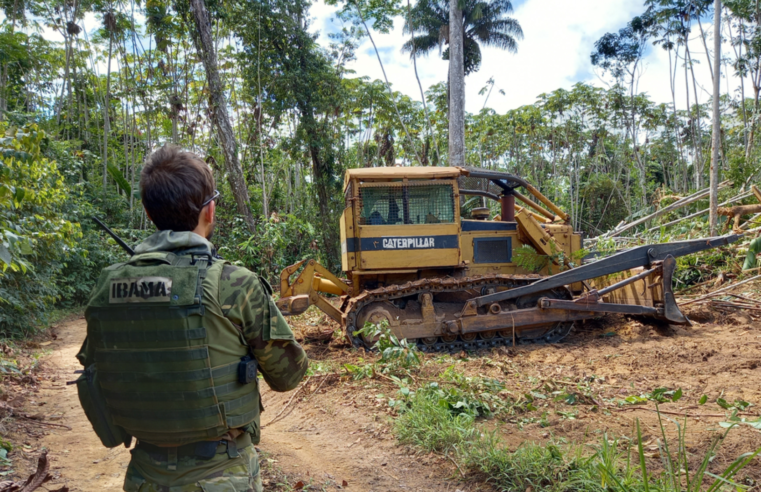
(94, 404)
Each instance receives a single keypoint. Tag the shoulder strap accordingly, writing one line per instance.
(154, 257)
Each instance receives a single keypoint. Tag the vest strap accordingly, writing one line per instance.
(218, 391)
(239, 402)
(133, 356)
(195, 413)
(241, 420)
(174, 415)
(156, 256)
(152, 335)
(145, 314)
(170, 376)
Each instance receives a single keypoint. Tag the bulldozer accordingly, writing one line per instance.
(448, 283)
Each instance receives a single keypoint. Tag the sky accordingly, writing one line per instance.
(559, 36)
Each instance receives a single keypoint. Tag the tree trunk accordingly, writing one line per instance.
(714, 195)
(456, 86)
(66, 80)
(420, 86)
(205, 46)
(106, 123)
(756, 89)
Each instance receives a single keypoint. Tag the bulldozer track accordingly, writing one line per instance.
(352, 307)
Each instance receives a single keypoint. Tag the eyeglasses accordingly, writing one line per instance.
(213, 197)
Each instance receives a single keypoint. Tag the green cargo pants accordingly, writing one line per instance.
(219, 474)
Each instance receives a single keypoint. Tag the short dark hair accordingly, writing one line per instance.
(173, 186)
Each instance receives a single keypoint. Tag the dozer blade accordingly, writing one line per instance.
(668, 311)
(632, 258)
(551, 310)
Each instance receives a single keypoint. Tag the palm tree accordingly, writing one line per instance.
(484, 23)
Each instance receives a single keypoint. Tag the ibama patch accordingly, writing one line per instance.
(140, 289)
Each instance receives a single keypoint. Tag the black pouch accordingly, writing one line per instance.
(247, 369)
(94, 404)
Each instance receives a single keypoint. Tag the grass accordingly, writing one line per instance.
(431, 423)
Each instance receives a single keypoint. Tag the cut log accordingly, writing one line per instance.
(738, 211)
(739, 197)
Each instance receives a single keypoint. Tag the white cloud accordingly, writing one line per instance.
(555, 53)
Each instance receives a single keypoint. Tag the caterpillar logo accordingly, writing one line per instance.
(140, 289)
(409, 243)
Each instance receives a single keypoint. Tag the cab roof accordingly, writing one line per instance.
(401, 172)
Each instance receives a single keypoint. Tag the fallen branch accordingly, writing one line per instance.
(35, 480)
(455, 464)
(683, 414)
(674, 206)
(42, 422)
(696, 286)
(755, 301)
(733, 305)
(295, 393)
(325, 378)
(715, 293)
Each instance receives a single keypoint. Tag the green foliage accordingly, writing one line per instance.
(527, 258)
(121, 181)
(485, 23)
(604, 206)
(754, 248)
(276, 244)
(737, 405)
(432, 426)
(392, 350)
(35, 236)
(479, 396)
(397, 357)
(360, 371)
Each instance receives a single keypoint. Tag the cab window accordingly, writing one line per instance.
(407, 204)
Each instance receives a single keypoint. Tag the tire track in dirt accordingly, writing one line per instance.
(321, 443)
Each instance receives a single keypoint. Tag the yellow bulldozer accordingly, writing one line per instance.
(447, 282)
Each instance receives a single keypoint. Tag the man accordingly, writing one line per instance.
(175, 338)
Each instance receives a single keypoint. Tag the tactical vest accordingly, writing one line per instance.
(167, 359)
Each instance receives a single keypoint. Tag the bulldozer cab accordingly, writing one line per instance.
(400, 218)
(407, 217)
